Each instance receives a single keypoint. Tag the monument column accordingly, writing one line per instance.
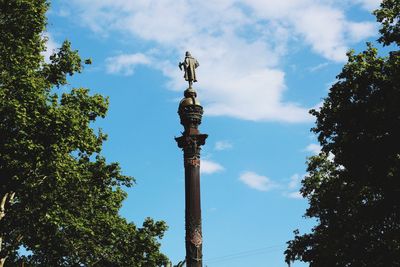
(190, 112)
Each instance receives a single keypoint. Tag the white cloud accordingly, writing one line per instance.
(294, 184)
(125, 64)
(51, 46)
(323, 28)
(239, 45)
(313, 148)
(222, 145)
(295, 195)
(331, 157)
(294, 181)
(318, 67)
(256, 181)
(369, 4)
(361, 30)
(321, 24)
(210, 167)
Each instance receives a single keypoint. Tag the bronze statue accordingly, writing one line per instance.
(189, 65)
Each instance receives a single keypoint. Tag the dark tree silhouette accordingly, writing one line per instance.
(355, 196)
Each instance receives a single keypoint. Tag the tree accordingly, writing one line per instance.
(59, 198)
(355, 195)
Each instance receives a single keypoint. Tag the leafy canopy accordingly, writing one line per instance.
(355, 195)
(59, 197)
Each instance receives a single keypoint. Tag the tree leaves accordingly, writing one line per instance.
(353, 194)
(389, 16)
(67, 196)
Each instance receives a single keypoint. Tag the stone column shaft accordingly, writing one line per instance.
(190, 142)
(193, 240)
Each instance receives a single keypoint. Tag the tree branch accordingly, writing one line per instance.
(2, 205)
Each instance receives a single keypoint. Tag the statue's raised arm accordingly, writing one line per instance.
(189, 65)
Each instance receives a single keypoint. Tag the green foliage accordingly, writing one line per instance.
(355, 195)
(59, 197)
(389, 16)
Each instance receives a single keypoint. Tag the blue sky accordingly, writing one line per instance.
(263, 65)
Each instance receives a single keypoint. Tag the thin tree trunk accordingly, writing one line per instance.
(3, 206)
(2, 261)
(5, 200)
(2, 214)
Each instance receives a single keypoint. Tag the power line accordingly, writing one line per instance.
(243, 254)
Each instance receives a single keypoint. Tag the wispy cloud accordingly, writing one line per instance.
(263, 183)
(313, 148)
(369, 4)
(125, 64)
(222, 145)
(256, 181)
(294, 195)
(318, 67)
(320, 24)
(213, 209)
(294, 181)
(210, 167)
(360, 30)
(239, 44)
(292, 189)
(51, 46)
